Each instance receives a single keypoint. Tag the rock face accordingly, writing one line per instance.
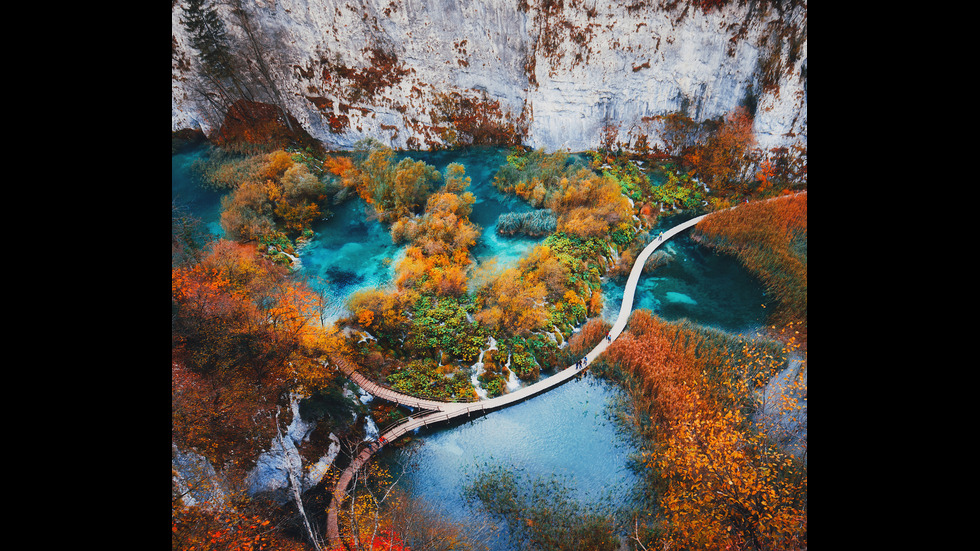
(547, 73)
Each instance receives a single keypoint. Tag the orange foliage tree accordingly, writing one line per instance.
(440, 239)
(272, 195)
(337, 165)
(383, 314)
(723, 483)
(511, 305)
(722, 159)
(243, 332)
(394, 190)
(228, 528)
(541, 265)
(589, 205)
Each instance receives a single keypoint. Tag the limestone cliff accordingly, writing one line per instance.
(548, 73)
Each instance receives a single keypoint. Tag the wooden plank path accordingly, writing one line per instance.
(432, 411)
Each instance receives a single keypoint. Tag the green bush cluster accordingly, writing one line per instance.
(517, 158)
(526, 169)
(422, 378)
(442, 324)
(679, 191)
(631, 181)
(581, 256)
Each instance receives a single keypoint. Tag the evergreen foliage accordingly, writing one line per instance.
(208, 37)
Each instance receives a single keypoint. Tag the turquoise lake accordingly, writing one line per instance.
(566, 432)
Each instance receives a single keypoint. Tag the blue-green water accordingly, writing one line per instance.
(352, 251)
(695, 283)
(565, 432)
(187, 192)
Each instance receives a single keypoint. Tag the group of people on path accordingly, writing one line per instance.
(584, 361)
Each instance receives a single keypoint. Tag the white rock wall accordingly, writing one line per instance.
(563, 75)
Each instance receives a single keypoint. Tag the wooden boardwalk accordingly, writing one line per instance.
(433, 412)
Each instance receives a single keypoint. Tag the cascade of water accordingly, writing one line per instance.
(475, 377)
(513, 383)
(370, 429)
(478, 370)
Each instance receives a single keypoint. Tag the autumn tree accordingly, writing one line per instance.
(383, 314)
(722, 160)
(533, 175)
(199, 527)
(512, 306)
(586, 204)
(395, 190)
(444, 228)
(362, 524)
(437, 258)
(589, 205)
(542, 266)
(273, 197)
(243, 333)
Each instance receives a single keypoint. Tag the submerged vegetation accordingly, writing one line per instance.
(543, 513)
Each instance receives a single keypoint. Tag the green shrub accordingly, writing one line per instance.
(423, 378)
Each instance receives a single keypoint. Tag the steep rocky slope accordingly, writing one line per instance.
(548, 73)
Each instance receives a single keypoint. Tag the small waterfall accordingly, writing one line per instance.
(478, 370)
(370, 429)
(513, 383)
(475, 377)
(363, 396)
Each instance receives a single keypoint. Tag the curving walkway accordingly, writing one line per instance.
(437, 412)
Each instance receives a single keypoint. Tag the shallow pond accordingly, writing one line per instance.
(695, 283)
(567, 432)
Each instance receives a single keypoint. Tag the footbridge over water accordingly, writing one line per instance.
(433, 412)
